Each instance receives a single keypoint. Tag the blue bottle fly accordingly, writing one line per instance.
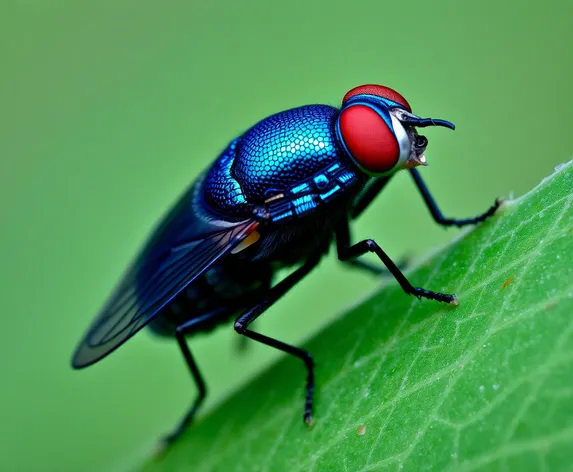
(278, 196)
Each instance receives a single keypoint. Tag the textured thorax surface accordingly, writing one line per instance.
(284, 149)
(221, 189)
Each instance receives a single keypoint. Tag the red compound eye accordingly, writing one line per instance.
(368, 138)
(379, 91)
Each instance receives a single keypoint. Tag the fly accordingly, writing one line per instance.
(278, 196)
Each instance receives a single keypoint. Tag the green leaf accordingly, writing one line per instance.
(417, 385)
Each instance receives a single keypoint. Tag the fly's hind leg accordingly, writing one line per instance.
(242, 324)
(181, 331)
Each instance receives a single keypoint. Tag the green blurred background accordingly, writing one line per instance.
(110, 108)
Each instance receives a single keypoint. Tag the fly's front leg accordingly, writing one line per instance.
(242, 324)
(437, 214)
(348, 253)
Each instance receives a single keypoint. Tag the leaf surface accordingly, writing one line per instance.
(404, 384)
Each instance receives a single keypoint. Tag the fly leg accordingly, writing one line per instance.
(180, 332)
(241, 344)
(347, 253)
(242, 323)
(343, 242)
(437, 214)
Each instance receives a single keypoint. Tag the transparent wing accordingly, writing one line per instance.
(186, 244)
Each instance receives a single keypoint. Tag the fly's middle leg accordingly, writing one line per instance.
(351, 252)
(343, 242)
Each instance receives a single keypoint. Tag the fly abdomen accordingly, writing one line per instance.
(221, 291)
(196, 299)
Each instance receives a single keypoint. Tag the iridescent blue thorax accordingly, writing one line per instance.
(294, 153)
(284, 149)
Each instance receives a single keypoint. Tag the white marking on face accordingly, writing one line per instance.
(403, 142)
